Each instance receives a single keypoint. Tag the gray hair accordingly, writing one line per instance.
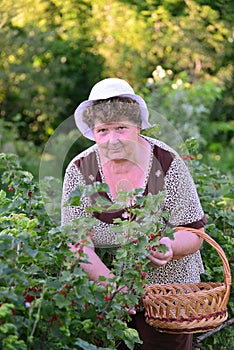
(112, 110)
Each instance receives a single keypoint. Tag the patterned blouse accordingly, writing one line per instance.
(167, 172)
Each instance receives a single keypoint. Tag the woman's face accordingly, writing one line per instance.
(116, 140)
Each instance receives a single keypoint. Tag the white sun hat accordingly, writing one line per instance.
(104, 89)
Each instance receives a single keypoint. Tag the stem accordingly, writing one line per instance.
(39, 301)
(198, 340)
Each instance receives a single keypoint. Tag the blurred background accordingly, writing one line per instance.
(177, 54)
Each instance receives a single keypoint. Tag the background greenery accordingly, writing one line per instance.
(54, 51)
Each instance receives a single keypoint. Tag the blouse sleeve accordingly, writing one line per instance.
(182, 200)
(72, 179)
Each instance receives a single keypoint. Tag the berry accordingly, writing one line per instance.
(29, 298)
(99, 317)
(190, 157)
(13, 312)
(151, 237)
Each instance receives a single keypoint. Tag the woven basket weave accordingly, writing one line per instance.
(189, 307)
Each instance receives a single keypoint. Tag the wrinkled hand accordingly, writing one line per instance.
(130, 310)
(157, 258)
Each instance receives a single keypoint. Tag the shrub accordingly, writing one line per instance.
(216, 194)
(47, 300)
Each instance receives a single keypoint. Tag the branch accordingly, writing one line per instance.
(198, 340)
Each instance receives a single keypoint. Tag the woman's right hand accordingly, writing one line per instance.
(158, 258)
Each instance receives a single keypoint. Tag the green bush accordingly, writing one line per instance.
(191, 108)
(11, 142)
(216, 194)
(47, 300)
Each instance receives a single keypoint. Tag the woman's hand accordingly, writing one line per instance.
(125, 290)
(158, 258)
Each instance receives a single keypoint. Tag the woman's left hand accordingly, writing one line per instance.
(158, 258)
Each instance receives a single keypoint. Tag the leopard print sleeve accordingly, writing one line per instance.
(72, 179)
(182, 200)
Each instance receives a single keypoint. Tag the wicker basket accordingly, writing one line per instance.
(189, 307)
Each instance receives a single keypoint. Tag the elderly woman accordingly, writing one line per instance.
(113, 117)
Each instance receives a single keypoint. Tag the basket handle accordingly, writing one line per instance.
(213, 243)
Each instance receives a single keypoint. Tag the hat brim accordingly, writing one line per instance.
(85, 129)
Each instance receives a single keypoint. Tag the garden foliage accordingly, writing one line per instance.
(47, 300)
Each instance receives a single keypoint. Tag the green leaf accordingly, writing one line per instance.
(131, 337)
(61, 301)
(87, 346)
(75, 197)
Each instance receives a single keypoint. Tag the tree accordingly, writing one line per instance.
(47, 64)
(54, 51)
